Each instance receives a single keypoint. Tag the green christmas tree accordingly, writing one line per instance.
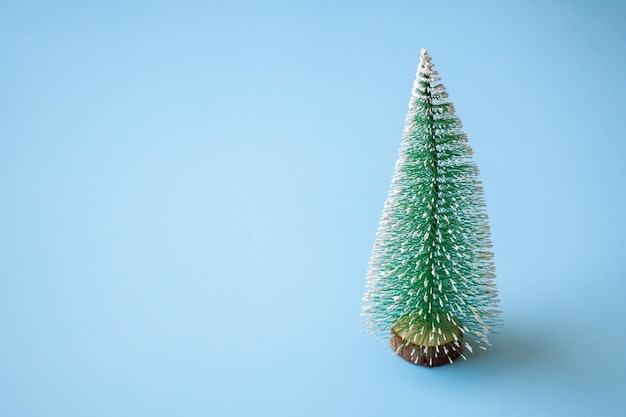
(431, 276)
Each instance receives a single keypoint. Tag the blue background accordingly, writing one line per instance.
(189, 192)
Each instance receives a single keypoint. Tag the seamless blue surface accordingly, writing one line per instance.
(189, 192)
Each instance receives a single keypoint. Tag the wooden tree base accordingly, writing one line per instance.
(430, 356)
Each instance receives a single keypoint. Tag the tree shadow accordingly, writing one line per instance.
(514, 347)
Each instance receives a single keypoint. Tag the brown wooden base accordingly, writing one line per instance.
(429, 356)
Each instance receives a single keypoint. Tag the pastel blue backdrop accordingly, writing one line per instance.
(189, 192)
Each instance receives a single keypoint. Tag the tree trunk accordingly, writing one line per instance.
(429, 356)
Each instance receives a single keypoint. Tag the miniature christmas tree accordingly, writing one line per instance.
(430, 279)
